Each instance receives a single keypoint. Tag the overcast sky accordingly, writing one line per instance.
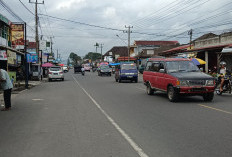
(151, 20)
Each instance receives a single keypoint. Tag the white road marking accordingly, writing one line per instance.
(117, 127)
(37, 99)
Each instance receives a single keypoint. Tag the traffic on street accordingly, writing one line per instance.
(134, 78)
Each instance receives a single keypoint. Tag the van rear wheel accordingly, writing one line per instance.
(172, 94)
(150, 91)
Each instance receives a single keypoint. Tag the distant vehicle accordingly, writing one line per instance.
(55, 72)
(65, 69)
(126, 71)
(177, 76)
(87, 67)
(104, 70)
(79, 69)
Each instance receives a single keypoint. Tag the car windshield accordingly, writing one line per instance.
(181, 66)
(55, 69)
(128, 66)
(105, 67)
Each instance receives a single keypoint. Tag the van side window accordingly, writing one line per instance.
(161, 66)
(155, 66)
(148, 67)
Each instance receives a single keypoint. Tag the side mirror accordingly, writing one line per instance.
(162, 71)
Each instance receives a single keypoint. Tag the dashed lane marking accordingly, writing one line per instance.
(117, 127)
(216, 109)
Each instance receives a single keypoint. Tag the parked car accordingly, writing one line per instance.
(104, 70)
(65, 69)
(126, 71)
(177, 76)
(55, 72)
(87, 67)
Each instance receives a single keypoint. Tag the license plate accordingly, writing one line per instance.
(129, 76)
(55, 73)
(198, 89)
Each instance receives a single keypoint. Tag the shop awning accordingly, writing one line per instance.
(227, 50)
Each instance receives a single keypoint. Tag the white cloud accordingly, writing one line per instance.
(68, 4)
(109, 12)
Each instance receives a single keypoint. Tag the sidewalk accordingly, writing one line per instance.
(21, 87)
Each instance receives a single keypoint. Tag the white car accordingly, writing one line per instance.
(55, 72)
(65, 69)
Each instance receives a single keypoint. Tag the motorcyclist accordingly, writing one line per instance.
(222, 73)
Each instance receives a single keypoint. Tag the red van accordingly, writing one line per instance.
(177, 76)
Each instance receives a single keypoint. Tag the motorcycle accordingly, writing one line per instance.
(226, 86)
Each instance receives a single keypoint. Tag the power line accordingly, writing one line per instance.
(26, 7)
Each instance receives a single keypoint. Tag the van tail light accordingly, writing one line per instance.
(61, 72)
(50, 73)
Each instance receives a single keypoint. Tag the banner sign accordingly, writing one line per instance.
(17, 36)
(32, 57)
(3, 55)
(42, 45)
(11, 57)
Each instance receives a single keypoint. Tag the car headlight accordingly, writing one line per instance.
(182, 83)
(210, 83)
(123, 73)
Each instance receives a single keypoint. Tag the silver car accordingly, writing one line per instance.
(55, 72)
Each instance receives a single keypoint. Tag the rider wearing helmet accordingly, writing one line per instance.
(222, 73)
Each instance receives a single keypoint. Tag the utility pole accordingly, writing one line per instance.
(36, 29)
(101, 51)
(190, 32)
(129, 32)
(51, 45)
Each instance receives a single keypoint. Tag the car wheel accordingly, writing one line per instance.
(49, 80)
(172, 94)
(150, 91)
(116, 80)
(119, 80)
(62, 79)
(109, 74)
(208, 96)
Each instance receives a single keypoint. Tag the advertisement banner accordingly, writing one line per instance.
(11, 57)
(3, 55)
(42, 45)
(32, 57)
(17, 36)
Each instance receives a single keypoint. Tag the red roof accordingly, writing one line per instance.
(177, 49)
(126, 58)
(142, 42)
(31, 45)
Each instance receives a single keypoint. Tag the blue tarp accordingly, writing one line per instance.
(114, 64)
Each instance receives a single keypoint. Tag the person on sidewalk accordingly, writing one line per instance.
(7, 87)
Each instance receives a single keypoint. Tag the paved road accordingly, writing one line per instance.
(95, 116)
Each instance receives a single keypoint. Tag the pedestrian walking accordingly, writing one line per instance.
(7, 87)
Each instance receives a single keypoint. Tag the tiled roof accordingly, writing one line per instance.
(118, 50)
(144, 42)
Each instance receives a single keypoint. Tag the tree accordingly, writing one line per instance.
(93, 56)
(74, 58)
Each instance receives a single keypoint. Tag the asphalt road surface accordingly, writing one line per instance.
(92, 116)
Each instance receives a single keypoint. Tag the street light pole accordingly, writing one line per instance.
(129, 32)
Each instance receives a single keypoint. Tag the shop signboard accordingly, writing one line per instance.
(17, 36)
(3, 55)
(32, 57)
(42, 45)
(11, 57)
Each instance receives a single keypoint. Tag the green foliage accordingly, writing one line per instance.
(93, 56)
(74, 58)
